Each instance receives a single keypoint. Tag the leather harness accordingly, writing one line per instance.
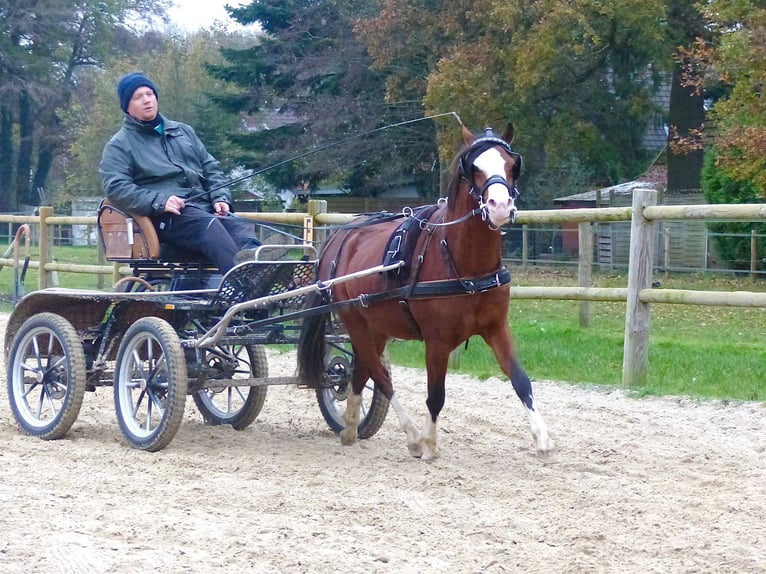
(401, 247)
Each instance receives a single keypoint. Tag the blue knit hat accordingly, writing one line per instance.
(130, 84)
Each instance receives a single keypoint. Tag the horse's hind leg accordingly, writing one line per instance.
(351, 416)
(414, 445)
(368, 364)
(382, 380)
(502, 346)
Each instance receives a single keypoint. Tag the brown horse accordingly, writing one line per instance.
(453, 287)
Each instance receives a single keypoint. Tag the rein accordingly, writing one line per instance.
(407, 212)
(318, 149)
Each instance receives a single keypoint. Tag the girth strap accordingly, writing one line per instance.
(442, 288)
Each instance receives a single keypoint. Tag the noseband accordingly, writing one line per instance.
(477, 148)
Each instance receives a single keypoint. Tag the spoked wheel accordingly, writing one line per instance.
(46, 376)
(232, 405)
(150, 383)
(332, 400)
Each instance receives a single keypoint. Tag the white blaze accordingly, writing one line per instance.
(498, 198)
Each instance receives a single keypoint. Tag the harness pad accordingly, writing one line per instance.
(401, 244)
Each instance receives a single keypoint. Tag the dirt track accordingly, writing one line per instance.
(636, 485)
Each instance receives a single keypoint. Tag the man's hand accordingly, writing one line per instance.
(174, 204)
(221, 208)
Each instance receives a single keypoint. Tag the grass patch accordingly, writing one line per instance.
(79, 255)
(715, 352)
(712, 352)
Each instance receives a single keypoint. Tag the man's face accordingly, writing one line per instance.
(143, 104)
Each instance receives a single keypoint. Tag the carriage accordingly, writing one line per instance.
(156, 344)
(178, 329)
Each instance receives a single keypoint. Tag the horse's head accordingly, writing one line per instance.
(491, 168)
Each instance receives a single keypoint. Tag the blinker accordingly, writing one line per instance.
(482, 144)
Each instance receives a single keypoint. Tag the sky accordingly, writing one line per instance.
(190, 15)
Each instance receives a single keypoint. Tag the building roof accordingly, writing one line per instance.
(603, 195)
(654, 178)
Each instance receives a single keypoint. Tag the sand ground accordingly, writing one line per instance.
(636, 485)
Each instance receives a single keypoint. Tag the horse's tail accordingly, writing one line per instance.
(311, 345)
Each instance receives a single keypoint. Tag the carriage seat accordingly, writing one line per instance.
(133, 238)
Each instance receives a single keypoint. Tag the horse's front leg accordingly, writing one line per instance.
(523, 387)
(502, 346)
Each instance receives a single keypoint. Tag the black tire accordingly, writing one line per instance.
(235, 406)
(150, 376)
(374, 407)
(46, 376)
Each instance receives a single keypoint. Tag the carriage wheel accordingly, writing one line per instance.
(46, 376)
(132, 284)
(150, 384)
(235, 406)
(374, 407)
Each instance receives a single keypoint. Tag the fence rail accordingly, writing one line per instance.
(644, 215)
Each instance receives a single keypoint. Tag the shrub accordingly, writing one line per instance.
(719, 187)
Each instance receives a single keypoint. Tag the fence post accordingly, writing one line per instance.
(667, 252)
(753, 255)
(45, 238)
(585, 267)
(635, 361)
(100, 258)
(524, 247)
(317, 236)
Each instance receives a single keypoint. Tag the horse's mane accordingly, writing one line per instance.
(455, 176)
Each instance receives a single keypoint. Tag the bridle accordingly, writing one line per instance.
(465, 166)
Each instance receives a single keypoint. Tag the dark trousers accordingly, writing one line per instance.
(217, 237)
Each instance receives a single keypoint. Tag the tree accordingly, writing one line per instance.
(44, 46)
(686, 117)
(737, 56)
(733, 243)
(576, 78)
(312, 83)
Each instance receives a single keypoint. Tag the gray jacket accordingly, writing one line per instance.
(140, 168)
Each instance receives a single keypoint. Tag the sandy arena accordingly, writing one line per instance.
(636, 485)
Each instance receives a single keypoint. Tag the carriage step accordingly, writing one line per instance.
(218, 384)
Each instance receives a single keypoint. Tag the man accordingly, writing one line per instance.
(158, 167)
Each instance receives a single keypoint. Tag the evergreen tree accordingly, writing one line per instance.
(309, 83)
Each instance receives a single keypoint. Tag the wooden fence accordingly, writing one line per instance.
(638, 295)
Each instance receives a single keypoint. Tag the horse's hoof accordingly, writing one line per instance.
(429, 455)
(416, 449)
(347, 438)
(545, 447)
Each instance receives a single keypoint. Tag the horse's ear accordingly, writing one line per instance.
(467, 136)
(508, 133)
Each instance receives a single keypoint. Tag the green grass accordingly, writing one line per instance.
(699, 351)
(80, 255)
(714, 352)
